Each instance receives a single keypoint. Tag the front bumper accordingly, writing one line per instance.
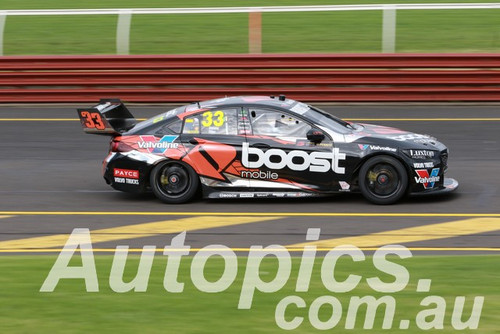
(449, 185)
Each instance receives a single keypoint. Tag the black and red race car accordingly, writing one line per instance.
(259, 146)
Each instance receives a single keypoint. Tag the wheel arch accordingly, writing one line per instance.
(191, 173)
(355, 174)
(160, 161)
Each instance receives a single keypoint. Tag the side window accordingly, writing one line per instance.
(191, 125)
(213, 122)
(275, 123)
(171, 128)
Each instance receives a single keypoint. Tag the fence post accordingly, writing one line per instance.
(3, 17)
(389, 29)
(255, 32)
(123, 32)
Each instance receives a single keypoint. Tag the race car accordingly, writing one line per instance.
(263, 146)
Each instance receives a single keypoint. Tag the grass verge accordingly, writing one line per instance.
(359, 31)
(70, 309)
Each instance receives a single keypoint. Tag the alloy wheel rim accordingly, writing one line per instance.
(382, 180)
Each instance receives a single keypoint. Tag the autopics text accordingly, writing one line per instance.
(430, 316)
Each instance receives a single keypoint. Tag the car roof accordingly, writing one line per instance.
(294, 107)
(280, 102)
(272, 101)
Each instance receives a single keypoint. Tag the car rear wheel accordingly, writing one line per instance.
(383, 180)
(174, 182)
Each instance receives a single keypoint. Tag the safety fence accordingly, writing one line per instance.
(254, 18)
(307, 77)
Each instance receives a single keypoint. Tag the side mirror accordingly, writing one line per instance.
(315, 136)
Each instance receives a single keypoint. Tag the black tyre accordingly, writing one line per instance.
(174, 182)
(383, 180)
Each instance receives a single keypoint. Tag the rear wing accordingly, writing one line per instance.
(110, 117)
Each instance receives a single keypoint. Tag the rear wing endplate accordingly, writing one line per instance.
(109, 117)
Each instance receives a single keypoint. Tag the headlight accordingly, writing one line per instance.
(421, 154)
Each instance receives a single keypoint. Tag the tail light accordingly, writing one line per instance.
(116, 145)
(113, 146)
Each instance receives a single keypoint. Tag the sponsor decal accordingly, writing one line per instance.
(228, 195)
(159, 147)
(376, 148)
(411, 136)
(126, 181)
(158, 119)
(427, 180)
(119, 180)
(300, 108)
(126, 173)
(171, 113)
(425, 141)
(246, 195)
(384, 130)
(421, 154)
(126, 176)
(344, 186)
(423, 164)
(303, 142)
(278, 159)
(92, 120)
(254, 98)
(259, 175)
(244, 125)
(192, 107)
(283, 195)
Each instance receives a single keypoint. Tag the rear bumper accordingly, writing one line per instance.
(125, 174)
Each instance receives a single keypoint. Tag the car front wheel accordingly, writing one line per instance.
(174, 182)
(383, 180)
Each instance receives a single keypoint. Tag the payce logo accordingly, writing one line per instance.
(314, 162)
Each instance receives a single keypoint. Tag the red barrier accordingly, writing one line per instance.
(331, 94)
(250, 78)
(184, 78)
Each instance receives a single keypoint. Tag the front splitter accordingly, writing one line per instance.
(449, 185)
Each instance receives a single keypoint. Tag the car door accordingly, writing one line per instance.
(278, 154)
(213, 140)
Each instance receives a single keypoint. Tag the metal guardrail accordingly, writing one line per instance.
(244, 61)
(316, 77)
(262, 9)
(255, 29)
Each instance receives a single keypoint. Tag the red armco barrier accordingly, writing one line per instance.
(308, 77)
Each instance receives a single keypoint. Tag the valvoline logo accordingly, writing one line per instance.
(157, 146)
(427, 180)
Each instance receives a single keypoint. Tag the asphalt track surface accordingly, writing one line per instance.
(51, 183)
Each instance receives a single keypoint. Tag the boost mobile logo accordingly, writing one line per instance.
(314, 162)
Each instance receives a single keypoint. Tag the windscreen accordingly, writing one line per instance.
(321, 117)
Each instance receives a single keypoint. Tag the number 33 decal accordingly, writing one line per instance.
(213, 118)
(93, 120)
